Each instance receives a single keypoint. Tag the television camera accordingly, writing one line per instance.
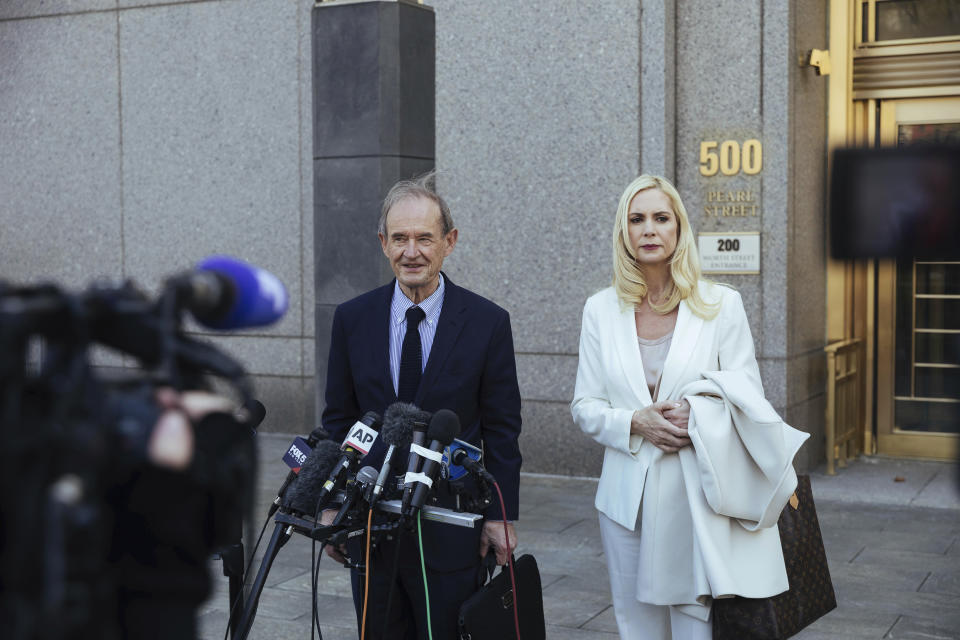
(101, 535)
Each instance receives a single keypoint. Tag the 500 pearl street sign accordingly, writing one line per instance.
(729, 157)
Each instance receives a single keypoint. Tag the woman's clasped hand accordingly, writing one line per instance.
(664, 424)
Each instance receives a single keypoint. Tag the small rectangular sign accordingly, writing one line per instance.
(737, 252)
(361, 438)
(296, 454)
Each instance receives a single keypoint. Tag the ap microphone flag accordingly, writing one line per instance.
(361, 437)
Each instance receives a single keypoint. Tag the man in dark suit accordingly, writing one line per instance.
(423, 339)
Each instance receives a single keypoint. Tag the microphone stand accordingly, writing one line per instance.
(277, 540)
(286, 525)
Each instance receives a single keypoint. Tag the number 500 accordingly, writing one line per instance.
(729, 159)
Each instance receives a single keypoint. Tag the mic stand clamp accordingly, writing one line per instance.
(308, 527)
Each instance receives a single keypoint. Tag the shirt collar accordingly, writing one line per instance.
(431, 304)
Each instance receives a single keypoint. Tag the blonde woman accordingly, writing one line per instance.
(697, 465)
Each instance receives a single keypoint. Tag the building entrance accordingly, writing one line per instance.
(918, 309)
(895, 81)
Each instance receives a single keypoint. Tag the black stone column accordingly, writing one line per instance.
(373, 123)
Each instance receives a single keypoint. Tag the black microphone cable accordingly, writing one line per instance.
(362, 481)
(315, 558)
(246, 576)
(393, 579)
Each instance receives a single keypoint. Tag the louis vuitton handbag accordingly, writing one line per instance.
(488, 614)
(811, 592)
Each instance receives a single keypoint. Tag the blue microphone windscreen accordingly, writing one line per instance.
(261, 299)
(455, 471)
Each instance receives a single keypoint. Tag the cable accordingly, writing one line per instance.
(366, 581)
(513, 581)
(392, 583)
(246, 575)
(314, 568)
(315, 577)
(315, 558)
(423, 568)
(315, 582)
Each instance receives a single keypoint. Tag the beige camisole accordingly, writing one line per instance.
(653, 353)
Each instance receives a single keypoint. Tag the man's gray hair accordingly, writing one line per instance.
(423, 186)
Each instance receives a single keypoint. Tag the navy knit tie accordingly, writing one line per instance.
(411, 357)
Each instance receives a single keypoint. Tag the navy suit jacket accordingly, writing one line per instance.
(471, 371)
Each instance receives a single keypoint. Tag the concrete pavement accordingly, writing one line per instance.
(891, 529)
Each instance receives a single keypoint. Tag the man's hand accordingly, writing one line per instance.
(338, 553)
(493, 536)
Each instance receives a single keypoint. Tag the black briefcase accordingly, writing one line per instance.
(811, 592)
(488, 614)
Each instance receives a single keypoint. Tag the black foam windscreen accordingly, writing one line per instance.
(398, 421)
(305, 490)
(444, 427)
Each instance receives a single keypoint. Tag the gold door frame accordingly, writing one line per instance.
(890, 438)
(854, 119)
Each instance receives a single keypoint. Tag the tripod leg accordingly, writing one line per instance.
(277, 540)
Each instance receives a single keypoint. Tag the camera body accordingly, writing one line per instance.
(895, 203)
(96, 540)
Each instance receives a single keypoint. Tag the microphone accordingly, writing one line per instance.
(365, 477)
(305, 493)
(444, 427)
(413, 461)
(397, 432)
(461, 458)
(255, 413)
(228, 293)
(356, 445)
(124, 320)
(295, 456)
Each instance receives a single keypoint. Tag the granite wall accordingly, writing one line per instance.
(138, 136)
(538, 125)
(546, 111)
(752, 86)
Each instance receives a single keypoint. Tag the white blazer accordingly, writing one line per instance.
(731, 555)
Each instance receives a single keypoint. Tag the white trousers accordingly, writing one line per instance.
(638, 620)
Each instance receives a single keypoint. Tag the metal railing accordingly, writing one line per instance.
(844, 406)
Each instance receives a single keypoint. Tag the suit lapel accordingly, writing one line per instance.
(685, 336)
(379, 337)
(452, 318)
(628, 351)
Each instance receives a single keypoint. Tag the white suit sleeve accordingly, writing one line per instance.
(592, 409)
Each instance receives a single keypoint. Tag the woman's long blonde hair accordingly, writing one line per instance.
(628, 280)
